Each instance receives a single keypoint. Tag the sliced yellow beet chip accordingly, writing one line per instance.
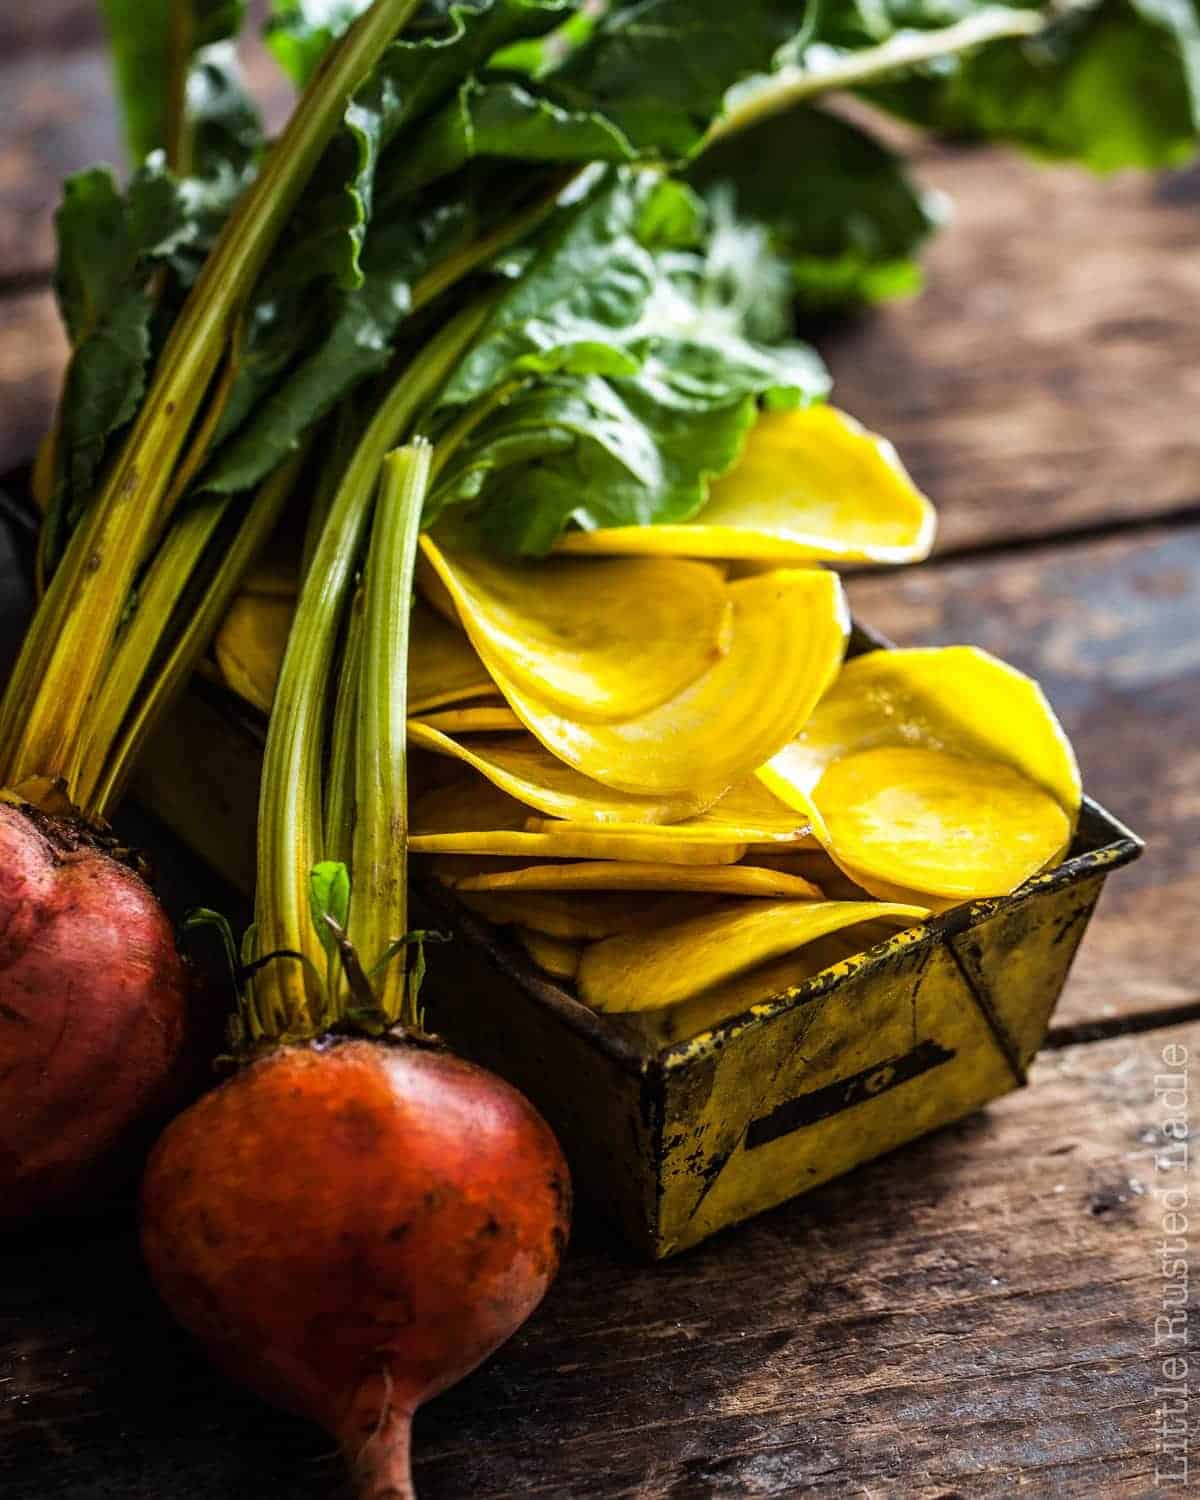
(888, 890)
(517, 764)
(592, 841)
(582, 915)
(957, 751)
(749, 814)
(614, 875)
(789, 635)
(655, 969)
(555, 956)
(274, 575)
(812, 485)
(597, 641)
(472, 816)
(484, 718)
(250, 644)
(938, 822)
(765, 982)
(443, 666)
(954, 698)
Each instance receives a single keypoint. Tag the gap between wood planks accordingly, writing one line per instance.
(1082, 1032)
(20, 283)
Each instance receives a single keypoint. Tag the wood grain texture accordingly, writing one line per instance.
(1045, 378)
(972, 1316)
(33, 353)
(1110, 629)
(64, 105)
(60, 116)
(51, 25)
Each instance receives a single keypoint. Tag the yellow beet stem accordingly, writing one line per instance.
(291, 818)
(146, 697)
(65, 654)
(379, 908)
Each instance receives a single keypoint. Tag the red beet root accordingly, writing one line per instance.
(92, 1014)
(352, 1226)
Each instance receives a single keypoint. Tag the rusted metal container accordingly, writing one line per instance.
(674, 1138)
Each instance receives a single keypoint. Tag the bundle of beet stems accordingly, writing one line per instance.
(464, 275)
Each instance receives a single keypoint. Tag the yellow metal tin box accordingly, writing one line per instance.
(674, 1140)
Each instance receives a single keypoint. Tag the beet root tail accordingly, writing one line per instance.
(382, 1465)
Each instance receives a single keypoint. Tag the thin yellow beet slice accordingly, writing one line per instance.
(812, 485)
(517, 764)
(938, 822)
(596, 641)
(555, 956)
(443, 666)
(250, 644)
(749, 815)
(485, 718)
(274, 575)
(605, 875)
(654, 969)
(580, 841)
(756, 986)
(471, 816)
(954, 698)
(580, 916)
(789, 636)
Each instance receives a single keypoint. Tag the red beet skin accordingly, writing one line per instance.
(92, 1015)
(352, 1226)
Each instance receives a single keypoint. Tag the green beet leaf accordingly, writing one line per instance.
(659, 70)
(299, 32)
(1110, 84)
(627, 374)
(179, 84)
(111, 247)
(839, 206)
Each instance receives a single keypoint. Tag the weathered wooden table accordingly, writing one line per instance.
(976, 1315)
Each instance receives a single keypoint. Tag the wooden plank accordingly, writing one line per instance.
(63, 104)
(1047, 377)
(973, 1315)
(60, 116)
(1110, 630)
(50, 25)
(33, 352)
